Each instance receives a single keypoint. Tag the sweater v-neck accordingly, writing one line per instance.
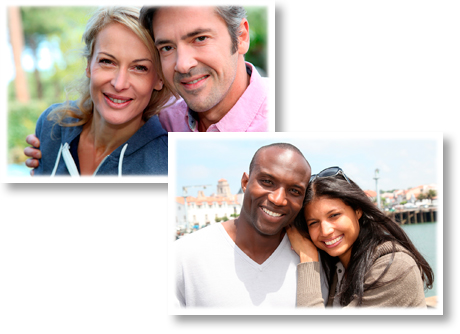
(251, 262)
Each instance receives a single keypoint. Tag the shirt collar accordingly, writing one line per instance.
(234, 120)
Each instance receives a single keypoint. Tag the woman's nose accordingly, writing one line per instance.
(121, 80)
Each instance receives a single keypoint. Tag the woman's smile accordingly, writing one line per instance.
(117, 102)
(334, 242)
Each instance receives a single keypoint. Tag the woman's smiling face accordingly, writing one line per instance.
(122, 75)
(333, 226)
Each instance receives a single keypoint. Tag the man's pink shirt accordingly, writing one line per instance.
(249, 114)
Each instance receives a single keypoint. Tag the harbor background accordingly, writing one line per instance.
(405, 161)
(424, 238)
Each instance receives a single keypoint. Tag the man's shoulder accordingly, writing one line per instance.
(196, 236)
(200, 241)
(172, 117)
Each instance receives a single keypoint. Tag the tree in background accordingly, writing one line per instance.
(258, 26)
(54, 29)
(17, 44)
(431, 194)
(58, 29)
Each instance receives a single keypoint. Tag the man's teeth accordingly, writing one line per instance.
(195, 81)
(117, 101)
(271, 213)
(333, 241)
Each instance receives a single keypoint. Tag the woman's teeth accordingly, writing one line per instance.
(116, 100)
(271, 213)
(333, 241)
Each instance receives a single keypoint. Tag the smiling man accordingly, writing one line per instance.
(248, 262)
(202, 55)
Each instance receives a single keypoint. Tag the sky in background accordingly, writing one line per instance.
(404, 161)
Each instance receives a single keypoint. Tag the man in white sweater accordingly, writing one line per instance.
(248, 261)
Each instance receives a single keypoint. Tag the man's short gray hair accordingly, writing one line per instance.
(232, 15)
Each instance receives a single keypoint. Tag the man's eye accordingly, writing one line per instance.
(295, 191)
(201, 38)
(166, 48)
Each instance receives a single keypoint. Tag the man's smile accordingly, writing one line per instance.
(193, 83)
(271, 213)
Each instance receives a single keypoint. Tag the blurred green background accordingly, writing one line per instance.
(46, 44)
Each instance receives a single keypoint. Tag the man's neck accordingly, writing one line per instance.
(255, 245)
(216, 113)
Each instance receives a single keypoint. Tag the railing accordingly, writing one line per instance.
(414, 215)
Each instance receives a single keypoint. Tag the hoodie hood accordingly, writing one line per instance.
(144, 153)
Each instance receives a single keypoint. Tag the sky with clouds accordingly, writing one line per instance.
(403, 160)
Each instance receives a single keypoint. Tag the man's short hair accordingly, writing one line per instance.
(232, 15)
(285, 146)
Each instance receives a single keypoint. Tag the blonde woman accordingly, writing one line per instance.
(113, 129)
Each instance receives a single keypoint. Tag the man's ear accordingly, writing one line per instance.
(243, 38)
(244, 181)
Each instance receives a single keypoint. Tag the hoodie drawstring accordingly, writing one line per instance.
(120, 161)
(57, 162)
(70, 163)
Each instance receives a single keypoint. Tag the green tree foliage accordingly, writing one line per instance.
(421, 196)
(258, 27)
(59, 30)
(62, 36)
(431, 194)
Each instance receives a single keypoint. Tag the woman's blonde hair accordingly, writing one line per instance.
(128, 16)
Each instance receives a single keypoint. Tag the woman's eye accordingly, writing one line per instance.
(105, 61)
(141, 68)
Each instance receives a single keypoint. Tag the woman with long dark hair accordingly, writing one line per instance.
(367, 258)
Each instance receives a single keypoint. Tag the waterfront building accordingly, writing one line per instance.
(200, 211)
(410, 195)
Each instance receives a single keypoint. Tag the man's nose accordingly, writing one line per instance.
(185, 59)
(278, 197)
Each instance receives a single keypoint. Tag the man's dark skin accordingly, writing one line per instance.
(274, 194)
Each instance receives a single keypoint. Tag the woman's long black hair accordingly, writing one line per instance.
(375, 229)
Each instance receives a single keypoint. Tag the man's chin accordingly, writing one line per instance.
(270, 231)
(197, 107)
